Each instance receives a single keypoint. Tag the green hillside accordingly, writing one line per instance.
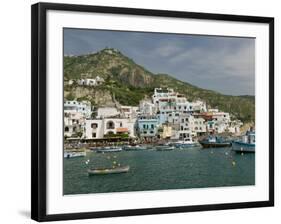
(127, 83)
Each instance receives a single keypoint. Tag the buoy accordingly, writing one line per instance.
(233, 163)
(114, 162)
(242, 154)
(226, 153)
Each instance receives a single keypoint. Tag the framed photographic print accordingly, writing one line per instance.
(139, 111)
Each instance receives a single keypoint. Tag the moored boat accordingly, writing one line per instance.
(246, 144)
(111, 170)
(109, 149)
(72, 154)
(185, 143)
(164, 148)
(215, 142)
(134, 148)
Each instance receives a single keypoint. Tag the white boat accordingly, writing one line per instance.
(111, 170)
(72, 154)
(246, 144)
(187, 142)
(134, 148)
(164, 147)
(109, 149)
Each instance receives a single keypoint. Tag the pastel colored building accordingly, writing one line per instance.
(147, 127)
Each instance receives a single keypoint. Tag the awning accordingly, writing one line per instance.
(120, 130)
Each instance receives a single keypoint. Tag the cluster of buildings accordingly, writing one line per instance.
(87, 82)
(167, 115)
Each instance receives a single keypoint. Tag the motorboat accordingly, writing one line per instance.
(215, 142)
(111, 170)
(246, 144)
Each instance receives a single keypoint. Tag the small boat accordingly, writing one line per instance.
(246, 144)
(214, 142)
(111, 170)
(72, 154)
(109, 149)
(134, 148)
(187, 142)
(164, 148)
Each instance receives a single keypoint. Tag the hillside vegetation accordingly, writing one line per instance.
(127, 83)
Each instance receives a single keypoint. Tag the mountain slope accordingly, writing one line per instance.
(127, 83)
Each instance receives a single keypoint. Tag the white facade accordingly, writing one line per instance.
(91, 82)
(147, 108)
(198, 126)
(105, 112)
(76, 106)
(198, 106)
(129, 111)
(98, 128)
(74, 123)
(235, 127)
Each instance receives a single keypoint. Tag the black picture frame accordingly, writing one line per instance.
(39, 108)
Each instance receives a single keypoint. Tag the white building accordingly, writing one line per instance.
(129, 111)
(147, 108)
(234, 127)
(105, 112)
(99, 128)
(198, 106)
(91, 82)
(74, 124)
(198, 126)
(76, 106)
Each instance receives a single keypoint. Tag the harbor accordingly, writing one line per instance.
(167, 142)
(152, 169)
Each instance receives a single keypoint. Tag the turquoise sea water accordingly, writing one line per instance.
(160, 170)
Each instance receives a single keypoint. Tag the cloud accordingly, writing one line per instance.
(224, 64)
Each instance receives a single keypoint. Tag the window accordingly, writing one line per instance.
(94, 125)
(151, 132)
(152, 126)
(110, 125)
(144, 126)
(66, 129)
(121, 125)
(94, 135)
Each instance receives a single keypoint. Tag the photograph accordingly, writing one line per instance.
(154, 111)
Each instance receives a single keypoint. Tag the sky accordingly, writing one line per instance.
(223, 64)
